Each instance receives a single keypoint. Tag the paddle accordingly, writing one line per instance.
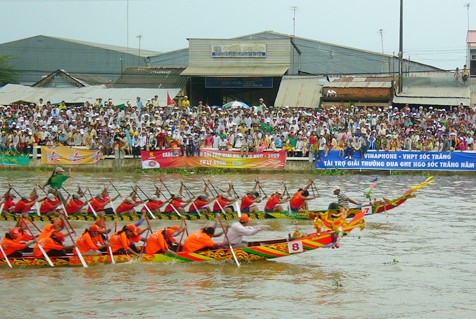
(89, 203)
(170, 194)
(80, 255)
(149, 231)
(260, 188)
(38, 243)
(145, 204)
(226, 238)
(112, 204)
(237, 205)
(5, 257)
(286, 192)
(190, 194)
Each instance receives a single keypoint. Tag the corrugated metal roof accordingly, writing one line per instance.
(426, 91)
(60, 78)
(361, 82)
(152, 77)
(12, 93)
(236, 71)
(297, 91)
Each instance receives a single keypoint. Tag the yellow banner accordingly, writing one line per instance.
(69, 155)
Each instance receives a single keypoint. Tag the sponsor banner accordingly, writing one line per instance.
(213, 159)
(402, 160)
(14, 160)
(69, 155)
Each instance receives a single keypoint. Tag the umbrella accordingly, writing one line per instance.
(235, 104)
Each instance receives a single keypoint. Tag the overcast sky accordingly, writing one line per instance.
(434, 30)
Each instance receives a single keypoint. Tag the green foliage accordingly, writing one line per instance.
(337, 284)
(7, 73)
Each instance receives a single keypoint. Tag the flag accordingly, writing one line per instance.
(169, 100)
(121, 106)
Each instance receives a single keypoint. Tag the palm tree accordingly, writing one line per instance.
(7, 73)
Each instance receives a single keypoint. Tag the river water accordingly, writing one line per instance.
(416, 262)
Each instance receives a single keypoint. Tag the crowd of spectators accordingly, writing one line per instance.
(185, 130)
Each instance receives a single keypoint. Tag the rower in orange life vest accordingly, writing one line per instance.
(122, 243)
(51, 240)
(13, 243)
(50, 204)
(300, 198)
(163, 241)
(90, 242)
(202, 239)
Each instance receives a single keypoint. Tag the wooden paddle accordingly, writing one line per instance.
(228, 241)
(39, 245)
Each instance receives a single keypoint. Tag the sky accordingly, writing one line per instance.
(434, 30)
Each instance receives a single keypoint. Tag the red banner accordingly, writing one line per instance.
(213, 159)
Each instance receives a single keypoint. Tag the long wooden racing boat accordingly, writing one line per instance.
(382, 206)
(256, 250)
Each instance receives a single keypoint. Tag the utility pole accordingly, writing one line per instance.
(467, 8)
(294, 8)
(400, 53)
(138, 59)
(381, 39)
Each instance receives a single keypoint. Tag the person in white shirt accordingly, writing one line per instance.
(238, 230)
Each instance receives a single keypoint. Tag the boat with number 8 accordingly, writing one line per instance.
(255, 250)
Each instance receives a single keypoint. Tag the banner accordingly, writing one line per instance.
(14, 160)
(213, 159)
(402, 160)
(69, 155)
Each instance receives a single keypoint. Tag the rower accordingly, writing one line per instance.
(342, 199)
(12, 243)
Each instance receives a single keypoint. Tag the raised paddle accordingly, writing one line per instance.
(80, 255)
(171, 198)
(189, 192)
(145, 204)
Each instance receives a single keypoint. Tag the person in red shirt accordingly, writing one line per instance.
(8, 202)
(90, 242)
(201, 203)
(127, 206)
(177, 204)
(23, 205)
(98, 203)
(300, 199)
(154, 204)
(12, 243)
(76, 205)
(163, 241)
(248, 202)
(50, 204)
(274, 203)
(223, 203)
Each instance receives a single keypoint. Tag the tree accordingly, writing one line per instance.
(7, 73)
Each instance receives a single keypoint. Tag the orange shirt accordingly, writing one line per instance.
(87, 243)
(119, 241)
(47, 231)
(156, 243)
(74, 206)
(196, 241)
(272, 202)
(48, 244)
(296, 201)
(246, 202)
(11, 246)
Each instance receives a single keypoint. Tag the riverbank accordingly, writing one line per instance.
(293, 165)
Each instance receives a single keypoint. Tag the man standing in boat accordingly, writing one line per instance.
(241, 228)
(342, 199)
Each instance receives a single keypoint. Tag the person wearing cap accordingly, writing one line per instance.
(301, 197)
(153, 204)
(185, 102)
(201, 203)
(238, 230)
(128, 206)
(163, 241)
(12, 243)
(57, 178)
(52, 245)
(201, 240)
(91, 242)
(342, 199)
(50, 204)
(177, 204)
(76, 205)
(121, 242)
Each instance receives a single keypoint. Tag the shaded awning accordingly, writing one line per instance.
(298, 91)
(236, 71)
(443, 101)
